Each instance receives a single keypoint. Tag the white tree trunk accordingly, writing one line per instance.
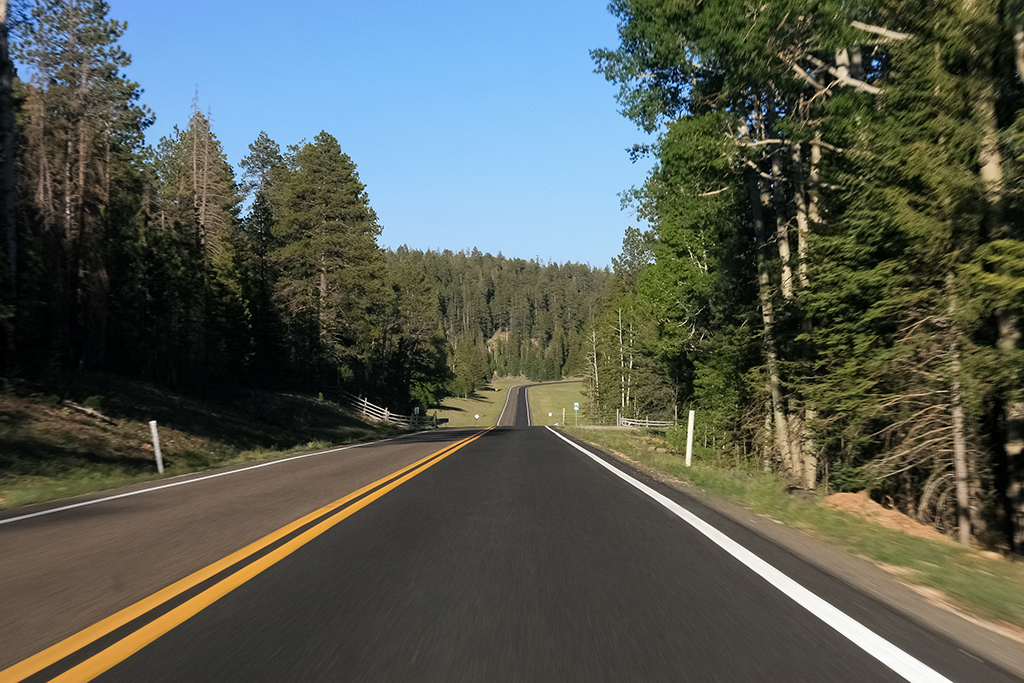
(622, 365)
(963, 504)
(629, 377)
(960, 471)
(781, 230)
(758, 197)
(991, 171)
(802, 217)
(807, 447)
(813, 209)
(592, 357)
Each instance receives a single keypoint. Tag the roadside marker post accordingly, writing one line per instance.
(689, 439)
(156, 447)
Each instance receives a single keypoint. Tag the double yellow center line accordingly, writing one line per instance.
(96, 649)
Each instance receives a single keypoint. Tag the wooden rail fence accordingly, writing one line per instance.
(377, 414)
(646, 422)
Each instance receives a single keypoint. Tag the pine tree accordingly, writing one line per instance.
(871, 139)
(331, 270)
(81, 113)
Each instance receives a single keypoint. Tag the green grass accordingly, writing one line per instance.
(486, 402)
(552, 398)
(50, 451)
(991, 587)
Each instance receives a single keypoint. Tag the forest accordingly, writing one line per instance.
(832, 278)
(164, 263)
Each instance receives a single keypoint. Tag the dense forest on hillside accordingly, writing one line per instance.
(836, 276)
(508, 316)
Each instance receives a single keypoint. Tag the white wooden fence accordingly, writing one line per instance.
(646, 422)
(375, 413)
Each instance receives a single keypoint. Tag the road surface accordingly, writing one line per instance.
(507, 554)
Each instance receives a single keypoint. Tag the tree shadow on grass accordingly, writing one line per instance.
(248, 419)
(41, 437)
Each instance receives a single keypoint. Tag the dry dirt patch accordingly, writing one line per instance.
(861, 505)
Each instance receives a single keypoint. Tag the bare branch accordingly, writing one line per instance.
(843, 78)
(90, 412)
(895, 400)
(714, 192)
(831, 147)
(803, 74)
(761, 173)
(879, 31)
(771, 141)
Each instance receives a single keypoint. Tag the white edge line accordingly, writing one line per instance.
(526, 396)
(192, 481)
(881, 649)
(504, 407)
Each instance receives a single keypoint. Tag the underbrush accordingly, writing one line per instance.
(980, 582)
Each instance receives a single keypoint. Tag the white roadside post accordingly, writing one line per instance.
(156, 447)
(689, 439)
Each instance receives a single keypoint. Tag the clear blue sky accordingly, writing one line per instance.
(473, 124)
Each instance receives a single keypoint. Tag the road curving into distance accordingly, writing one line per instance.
(516, 410)
(509, 554)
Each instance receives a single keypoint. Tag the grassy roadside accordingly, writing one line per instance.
(982, 583)
(487, 403)
(49, 450)
(553, 398)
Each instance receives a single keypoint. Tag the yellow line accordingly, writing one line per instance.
(132, 643)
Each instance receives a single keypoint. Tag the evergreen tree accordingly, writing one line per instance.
(262, 178)
(262, 166)
(331, 270)
(81, 124)
(851, 159)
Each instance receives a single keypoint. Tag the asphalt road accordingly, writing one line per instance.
(516, 411)
(515, 557)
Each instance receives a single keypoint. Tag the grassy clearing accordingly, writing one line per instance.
(50, 451)
(992, 587)
(487, 403)
(552, 398)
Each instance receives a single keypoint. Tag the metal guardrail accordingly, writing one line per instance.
(375, 413)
